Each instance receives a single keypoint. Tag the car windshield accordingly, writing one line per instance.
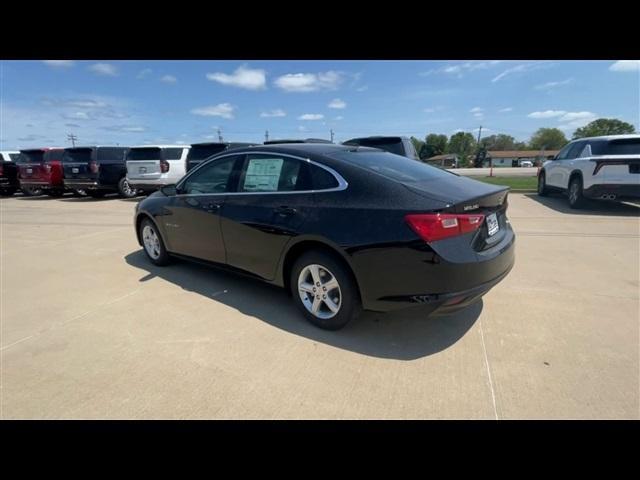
(627, 146)
(201, 152)
(144, 154)
(396, 167)
(31, 156)
(393, 145)
(77, 155)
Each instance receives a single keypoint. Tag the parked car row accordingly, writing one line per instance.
(97, 170)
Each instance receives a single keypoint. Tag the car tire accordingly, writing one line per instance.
(7, 192)
(152, 243)
(576, 198)
(31, 191)
(125, 190)
(96, 193)
(313, 270)
(542, 185)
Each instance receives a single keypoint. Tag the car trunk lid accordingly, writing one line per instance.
(144, 163)
(79, 163)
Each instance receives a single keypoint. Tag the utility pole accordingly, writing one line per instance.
(73, 139)
(219, 135)
(331, 135)
(479, 133)
(266, 135)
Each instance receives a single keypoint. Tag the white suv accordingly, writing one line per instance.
(603, 168)
(150, 167)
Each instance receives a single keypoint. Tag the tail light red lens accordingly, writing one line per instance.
(437, 226)
(164, 166)
(1, 169)
(93, 167)
(47, 167)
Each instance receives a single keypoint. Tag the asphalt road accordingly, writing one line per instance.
(90, 329)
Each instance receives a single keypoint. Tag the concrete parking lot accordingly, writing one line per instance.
(90, 329)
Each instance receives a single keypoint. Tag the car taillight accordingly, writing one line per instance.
(93, 167)
(436, 226)
(1, 169)
(47, 167)
(164, 166)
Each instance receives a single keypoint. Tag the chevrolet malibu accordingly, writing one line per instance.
(342, 228)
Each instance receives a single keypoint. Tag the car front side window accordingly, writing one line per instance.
(216, 177)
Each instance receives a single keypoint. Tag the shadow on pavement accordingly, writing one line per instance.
(403, 335)
(559, 203)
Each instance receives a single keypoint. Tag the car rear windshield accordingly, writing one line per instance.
(111, 153)
(172, 153)
(393, 145)
(31, 156)
(396, 167)
(627, 146)
(144, 154)
(202, 152)
(14, 156)
(79, 155)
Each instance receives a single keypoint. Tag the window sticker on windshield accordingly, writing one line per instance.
(263, 174)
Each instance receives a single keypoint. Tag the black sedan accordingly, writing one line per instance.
(343, 228)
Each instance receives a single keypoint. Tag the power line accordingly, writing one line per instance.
(72, 138)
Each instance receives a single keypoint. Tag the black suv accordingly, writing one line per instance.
(9, 182)
(199, 152)
(398, 145)
(97, 170)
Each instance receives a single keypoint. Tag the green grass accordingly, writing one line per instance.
(516, 183)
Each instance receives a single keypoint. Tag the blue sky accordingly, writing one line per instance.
(135, 102)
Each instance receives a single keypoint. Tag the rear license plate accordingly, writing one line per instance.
(75, 170)
(492, 224)
(142, 170)
(29, 170)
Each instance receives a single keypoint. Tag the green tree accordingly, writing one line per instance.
(499, 142)
(463, 145)
(604, 126)
(547, 138)
(520, 146)
(419, 146)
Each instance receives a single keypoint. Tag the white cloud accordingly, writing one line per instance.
(547, 114)
(104, 69)
(242, 77)
(570, 116)
(309, 82)
(337, 103)
(429, 110)
(302, 128)
(522, 68)
(144, 73)
(59, 63)
(625, 66)
(504, 110)
(274, 113)
(339, 117)
(311, 116)
(125, 128)
(169, 79)
(479, 115)
(475, 110)
(551, 85)
(362, 89)
(224, 110)
(460, 69)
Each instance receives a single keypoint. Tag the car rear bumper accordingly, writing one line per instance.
(44, 185)
(86, 185)
(617, 190)
(148, 185)
(411, 276)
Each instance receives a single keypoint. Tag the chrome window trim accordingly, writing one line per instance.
(342, 183)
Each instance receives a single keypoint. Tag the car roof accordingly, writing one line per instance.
(302, 149)
(374, 137)
(78, 147)
(161, 146)
(41, 149)
(204, 144)
(611, 137)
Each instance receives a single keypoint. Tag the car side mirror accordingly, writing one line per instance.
(169, 190)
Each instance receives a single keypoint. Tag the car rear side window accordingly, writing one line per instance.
(321, 179)
(173, 153)
(393, 166)
(271, 173)
(14, 156)
(214, 177)
(392, 145)
(110, 153)
(626, 146)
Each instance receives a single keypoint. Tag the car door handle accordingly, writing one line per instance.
(213, 207)
(285, 211)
